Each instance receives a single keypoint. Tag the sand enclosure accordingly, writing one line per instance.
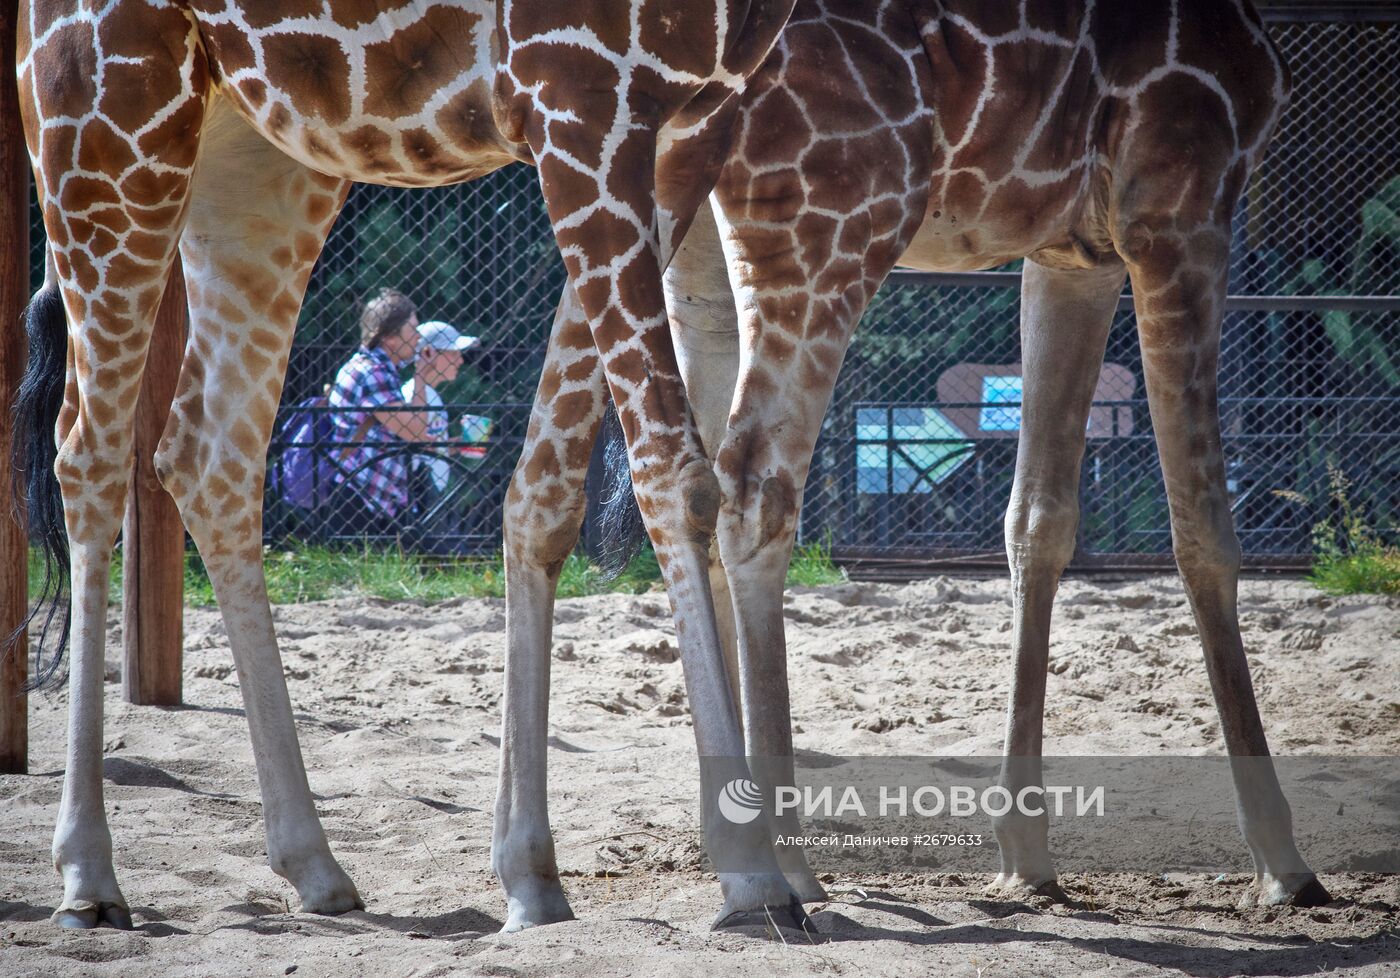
(398, 713)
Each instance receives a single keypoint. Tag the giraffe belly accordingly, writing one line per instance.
(373, 151)
(947, 243)
(1056, 229)
(401, 99)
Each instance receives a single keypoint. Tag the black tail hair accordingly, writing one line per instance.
(621, 532)
(32, 456)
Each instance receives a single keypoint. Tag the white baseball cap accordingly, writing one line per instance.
(441, 336)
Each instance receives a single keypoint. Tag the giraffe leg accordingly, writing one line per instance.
(247, 257)
(705, 333)
(705, 323)
(543, 512)
(705, 329)
(1065, 317)
(113, 206)
(794, 340)
(607, 225)
(807, 245)
(1179, 279)
(762, 478)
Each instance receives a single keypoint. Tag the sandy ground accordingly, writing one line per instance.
(398, 713)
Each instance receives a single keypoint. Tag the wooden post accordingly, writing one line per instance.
(14, 288)
(153, 538)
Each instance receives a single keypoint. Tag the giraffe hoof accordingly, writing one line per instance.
(519, 918)
(807, 887)
(788, 917)
(534, 900)
(327, 889)
(1300, 890)
(334, 903)
(117, 916)
(75, 919)
(91, 915)
(1313, 894)
(1020, 889)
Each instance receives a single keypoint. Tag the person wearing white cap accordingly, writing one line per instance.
(439, 358)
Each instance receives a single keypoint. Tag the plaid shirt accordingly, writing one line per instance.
(369, 381)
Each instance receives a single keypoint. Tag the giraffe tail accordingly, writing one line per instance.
(33, 452)
(621, 530)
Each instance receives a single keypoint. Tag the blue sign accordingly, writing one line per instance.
(997, 391)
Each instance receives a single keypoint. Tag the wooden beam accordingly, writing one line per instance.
(153, 538)
(14, 289)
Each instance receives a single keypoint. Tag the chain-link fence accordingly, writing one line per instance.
(916, 456)
(479, 257)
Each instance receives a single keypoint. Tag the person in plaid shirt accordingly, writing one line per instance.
(365, 391)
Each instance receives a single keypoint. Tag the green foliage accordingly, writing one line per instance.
(578, 577)
(317, 573)
(643, 573)
(1351, 557)
(1364, 340)
(1365, 573)
(811, 566)
(385, 245)
(36, 575)
(309, 573)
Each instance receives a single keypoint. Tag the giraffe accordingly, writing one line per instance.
(231, 130)
(1101, 142)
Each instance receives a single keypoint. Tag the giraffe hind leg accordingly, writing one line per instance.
(1180, 307)
(113, 205)
(614, 266)
(247, 258)
(705, 333)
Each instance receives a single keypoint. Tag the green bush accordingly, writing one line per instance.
(1351, 557)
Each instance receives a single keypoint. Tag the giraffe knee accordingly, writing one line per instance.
(1134, 240)
(1040, 529)
(542, 546)
(701, 494)
(215, 485)
(92, 473)
(539, 535)
(175, 462)
(1212, 553)
(777, 509)
(761, 501)
(760, 521)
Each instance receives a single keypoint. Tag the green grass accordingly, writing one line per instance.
(36, 575)
(1366, 573)
(811, 566)
(317, 573)
(1351, 557)
(307, 573)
